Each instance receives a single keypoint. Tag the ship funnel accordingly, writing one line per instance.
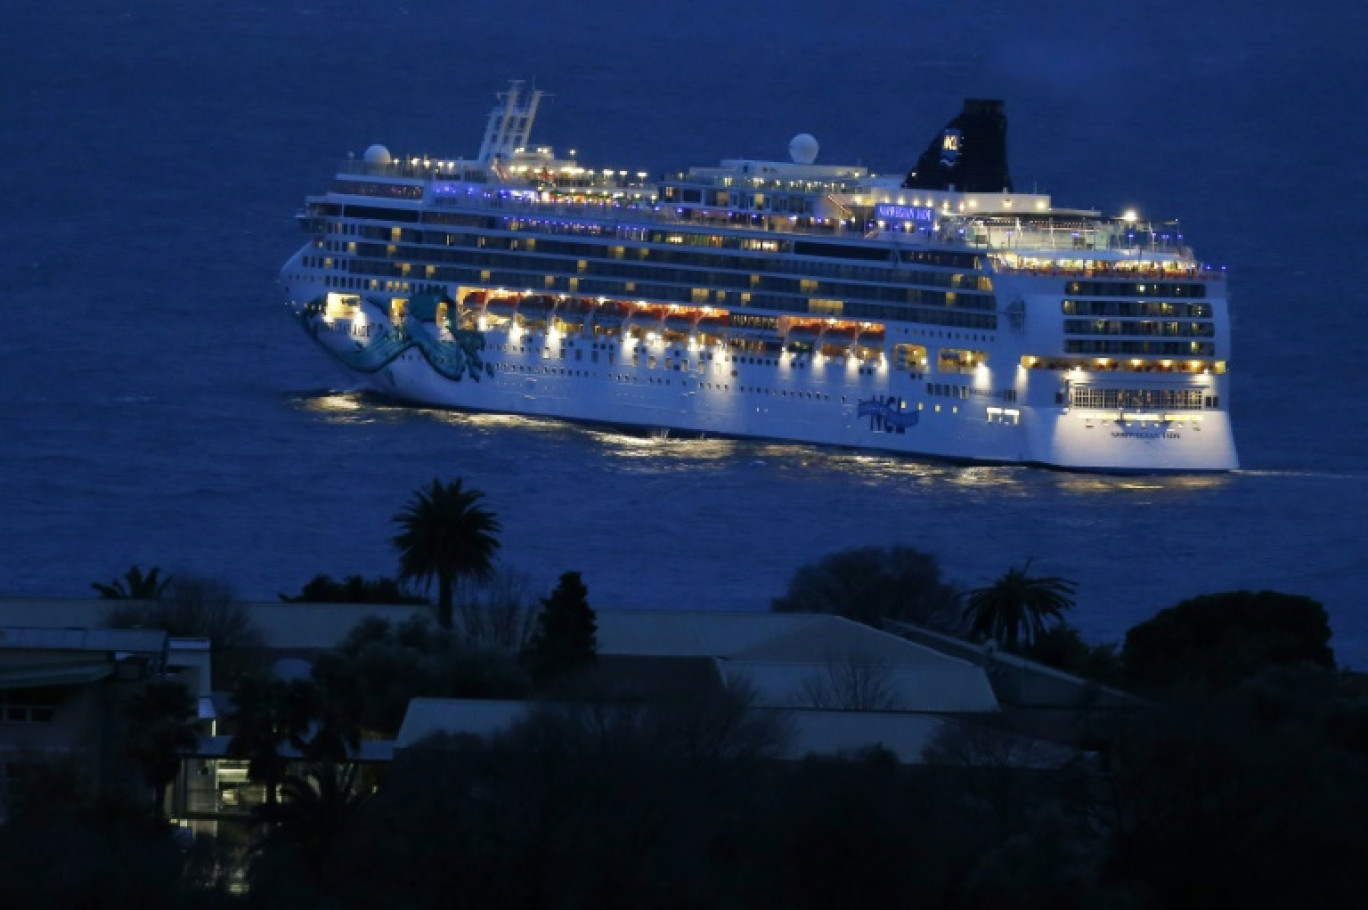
(969, 155)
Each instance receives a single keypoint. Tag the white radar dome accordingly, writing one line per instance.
(803, 148)
(377, 154)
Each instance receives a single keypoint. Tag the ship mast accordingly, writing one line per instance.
(510, 124)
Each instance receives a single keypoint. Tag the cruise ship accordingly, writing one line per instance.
(936, 313)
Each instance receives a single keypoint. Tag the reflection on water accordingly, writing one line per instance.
(647, 445)
(1298, 475)
(1000, 477)
(329, 401)
(360, 407)
(1103, 484)
(350, 408)
(488, 423)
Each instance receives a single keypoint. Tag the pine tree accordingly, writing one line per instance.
(566, 640)
(162, 726)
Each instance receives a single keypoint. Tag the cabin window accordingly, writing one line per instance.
(910, 357)
(959, 360)
(36, 705)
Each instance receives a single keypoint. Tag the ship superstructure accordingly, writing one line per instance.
(938, 313)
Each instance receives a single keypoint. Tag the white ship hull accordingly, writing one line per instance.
(691, 386)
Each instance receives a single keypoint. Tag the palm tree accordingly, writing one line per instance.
(140, 586)
(446, 535)
(265, 720)
(318, 804)
(1017, 606)
(163, 724)
(279, 722)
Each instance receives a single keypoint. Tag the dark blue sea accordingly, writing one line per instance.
(158, 407)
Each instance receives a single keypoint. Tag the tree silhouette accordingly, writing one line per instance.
(1214, 641)
(1062, 647)
(446, 534)
(354, 589)
(1016, 608)
(265, 720)
(566, 640)
(319, 803)
(138, 587)
(162, 719)
(195, 606)
(380, 666)
(874, 584)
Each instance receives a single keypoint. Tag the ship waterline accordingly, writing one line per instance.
(937, 314)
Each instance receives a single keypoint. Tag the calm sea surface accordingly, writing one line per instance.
(157, 406)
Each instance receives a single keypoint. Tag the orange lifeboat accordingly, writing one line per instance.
(681, 321)
(536, 309)
(840, 336)
(715, 324)
(804, 333)
(610, 314)
(644, 319)
(871, 338)
(571, 314)
(501, 306)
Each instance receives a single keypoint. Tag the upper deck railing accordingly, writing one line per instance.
(615, 197)
(531, 172)
(1084, 238)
